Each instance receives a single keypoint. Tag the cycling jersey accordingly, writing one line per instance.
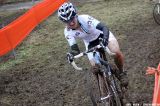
(89, 32)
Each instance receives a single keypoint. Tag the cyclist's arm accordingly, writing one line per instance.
(74, 49)
(99, 25)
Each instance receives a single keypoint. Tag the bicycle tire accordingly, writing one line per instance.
(111, 100)
(95, 93)
(156, 13)
(115, 89)
(118, 101)
(110, 91)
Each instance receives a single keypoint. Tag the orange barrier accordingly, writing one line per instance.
(15, 32)
(156, 94)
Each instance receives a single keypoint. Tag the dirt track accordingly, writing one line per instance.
(50, 81)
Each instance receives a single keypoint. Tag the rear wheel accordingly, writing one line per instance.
(156, 13)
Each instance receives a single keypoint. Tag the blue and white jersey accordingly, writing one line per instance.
(89, 32)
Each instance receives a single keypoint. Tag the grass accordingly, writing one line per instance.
(48, 37)
(11, 1)
(6, 18)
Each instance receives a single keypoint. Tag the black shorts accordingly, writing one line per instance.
(95, 42)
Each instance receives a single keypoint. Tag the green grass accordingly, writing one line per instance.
(9, 16)
(47, 40)
(23, 54)
(12, 1)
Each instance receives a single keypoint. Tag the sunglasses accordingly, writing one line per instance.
(69, 21)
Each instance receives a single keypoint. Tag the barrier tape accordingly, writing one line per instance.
(156, 93)
(13, 34)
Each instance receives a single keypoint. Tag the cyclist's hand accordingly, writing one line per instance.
(70, 57)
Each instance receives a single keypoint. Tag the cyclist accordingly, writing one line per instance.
(89, 30)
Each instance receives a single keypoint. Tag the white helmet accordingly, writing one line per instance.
(66, 12)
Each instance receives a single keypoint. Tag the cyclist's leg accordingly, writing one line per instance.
(114, 48)
(118, 57)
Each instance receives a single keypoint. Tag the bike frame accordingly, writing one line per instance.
(107, 74)
(108, 77)
(106, 49)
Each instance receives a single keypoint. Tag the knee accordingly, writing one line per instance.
(118, 54)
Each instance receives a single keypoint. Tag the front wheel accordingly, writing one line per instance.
(98, 91)
(114, 85)
(156, 13)
(115, 91)
(117, 99)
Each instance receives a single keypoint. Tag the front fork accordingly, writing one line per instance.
(103, 88)
(108, 80)
(102, 80)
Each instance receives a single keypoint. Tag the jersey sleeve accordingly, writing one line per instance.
(71, 39)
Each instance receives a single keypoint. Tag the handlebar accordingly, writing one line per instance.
(91, 50)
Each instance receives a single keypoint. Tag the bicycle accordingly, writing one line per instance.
(156, 12)
(105, 90)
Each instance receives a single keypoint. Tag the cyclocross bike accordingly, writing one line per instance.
(156, 12)
(105, 89)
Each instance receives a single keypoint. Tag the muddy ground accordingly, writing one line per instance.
(46, 79)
